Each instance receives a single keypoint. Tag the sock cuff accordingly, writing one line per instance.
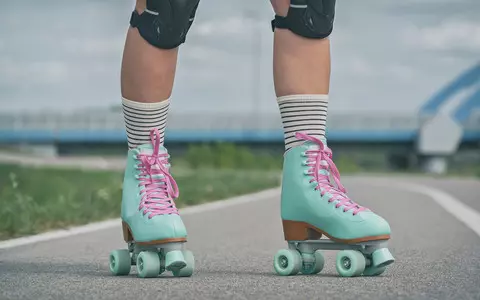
(306, 98)
(145, 106)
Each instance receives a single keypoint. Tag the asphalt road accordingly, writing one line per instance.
(437, 256)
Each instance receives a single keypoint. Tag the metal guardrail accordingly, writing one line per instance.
(114, 120)
(104, 126)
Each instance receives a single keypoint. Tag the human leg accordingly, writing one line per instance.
(148, 67)
(151, 224)
(314, 202)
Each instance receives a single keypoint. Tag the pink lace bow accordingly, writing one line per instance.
(321, 159)
(159, 187)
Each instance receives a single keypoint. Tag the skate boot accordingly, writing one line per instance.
(152, 227)
(314, 203)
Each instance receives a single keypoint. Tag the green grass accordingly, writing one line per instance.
(34, 200)
(230, 156)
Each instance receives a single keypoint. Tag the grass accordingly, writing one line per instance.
(34, 200)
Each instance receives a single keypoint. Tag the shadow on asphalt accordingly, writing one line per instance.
(51, 268)
(101, 270)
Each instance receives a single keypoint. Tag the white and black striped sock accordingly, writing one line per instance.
(302, 113)
(141, 118)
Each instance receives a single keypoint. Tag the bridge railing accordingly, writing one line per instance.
(91, 126)
(182, 121)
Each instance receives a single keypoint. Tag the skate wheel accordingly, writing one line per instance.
(174, 260)
(148, 264)
(374, 271)
(120, 262)
(186, 271)
(350, 263)
(382, 258)
(287, 262)
(315, 267)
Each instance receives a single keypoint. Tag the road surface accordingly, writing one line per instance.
(437, 254)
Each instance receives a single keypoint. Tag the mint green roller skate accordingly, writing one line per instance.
(152, 227)
(312, 205)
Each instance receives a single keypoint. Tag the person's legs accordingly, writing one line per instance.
(148, 68)
(301, 69)
(149, 215)
(301, 65)
(147, 77)
(312, 203)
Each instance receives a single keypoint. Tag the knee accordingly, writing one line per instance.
(306, 18)
(164, 23)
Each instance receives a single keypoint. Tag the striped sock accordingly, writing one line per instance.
(141, 118)
(302, 113)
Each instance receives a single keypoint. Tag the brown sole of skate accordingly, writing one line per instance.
(301, 231)
(128, 237)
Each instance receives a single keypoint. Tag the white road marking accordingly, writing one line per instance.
(57, 234)
(464, 213)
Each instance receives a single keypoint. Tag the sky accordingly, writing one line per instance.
(386, 55)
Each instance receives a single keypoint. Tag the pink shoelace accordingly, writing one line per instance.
(159, 187)
(321, 159)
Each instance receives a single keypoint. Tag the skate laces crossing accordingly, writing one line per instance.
(321, 166)
(159, 187)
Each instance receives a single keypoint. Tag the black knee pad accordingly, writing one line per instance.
(165, 23)
(308, 18)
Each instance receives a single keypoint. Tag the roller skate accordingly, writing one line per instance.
(152, 227)
(314, 203)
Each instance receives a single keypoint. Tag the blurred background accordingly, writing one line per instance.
(405, 97)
